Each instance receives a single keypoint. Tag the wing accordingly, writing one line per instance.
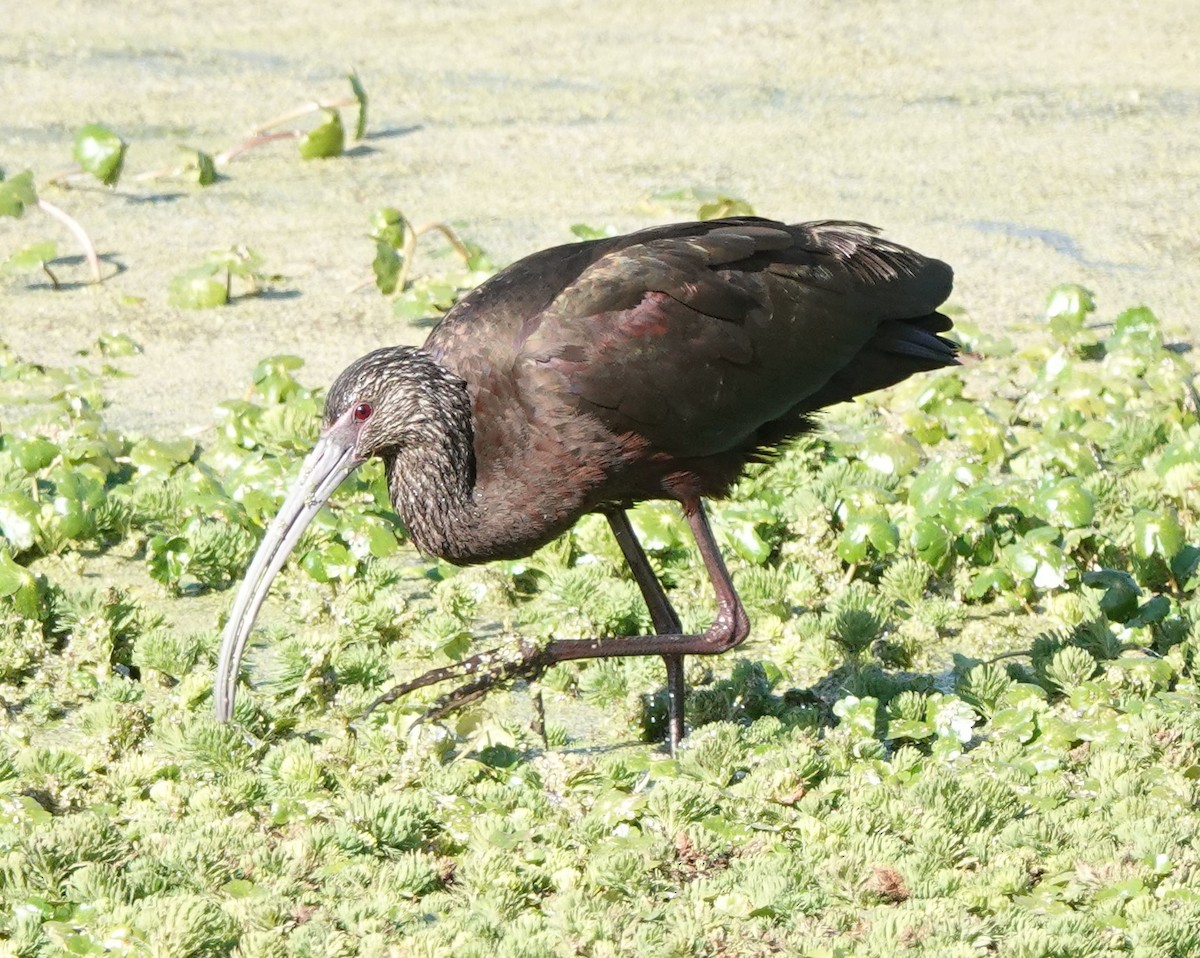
(696, 341)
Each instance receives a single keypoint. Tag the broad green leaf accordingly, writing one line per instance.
(168, 558)
(737, 528)
(1066, 310)
(200, 165)
(1038, 560)
(18, 586)
(339, 562)
(1153, 611)
(313, 563)
(117, 344)
(33, 454)
(389, 225)
(31, 257)
(19, 520)
(155, 455)
(78, 493)
(656, 527)
(237, 260)
(908, 728)
(866, 534)
(892, 454)
(1157, 534)
(1067, 504)
(273, 379)
(197, 289)
(724, 206)
(326, 140)
(1121, 593)
(17, 193)
(386, 266)
(857, 714)
(381, 540)
(585, 232)
(990, 579)
(932, 542)
(100, 152)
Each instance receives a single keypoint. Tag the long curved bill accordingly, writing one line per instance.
(330, 462)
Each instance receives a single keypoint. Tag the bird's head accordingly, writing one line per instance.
(389, 400)
(393, 403)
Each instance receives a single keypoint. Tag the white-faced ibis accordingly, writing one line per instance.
(592, 376)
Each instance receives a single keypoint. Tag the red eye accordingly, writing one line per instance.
(362, 412)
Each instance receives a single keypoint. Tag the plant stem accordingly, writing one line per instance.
(410, 248)
(447, 231)
(72, 224)
(258, 139)
(304, 111)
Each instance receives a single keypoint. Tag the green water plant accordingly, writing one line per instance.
(396, 238)
(976, 734)
(17, 194)
(324, 140)
(210, 284)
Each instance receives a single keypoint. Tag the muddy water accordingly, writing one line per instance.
(1026, 143)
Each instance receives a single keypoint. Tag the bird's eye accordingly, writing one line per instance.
(362, 412)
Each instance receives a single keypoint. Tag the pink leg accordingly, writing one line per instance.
(662, 614)
(489, 669)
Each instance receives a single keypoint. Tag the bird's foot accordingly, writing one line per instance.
(489, 670)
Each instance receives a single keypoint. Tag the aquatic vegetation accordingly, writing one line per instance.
(967, 720)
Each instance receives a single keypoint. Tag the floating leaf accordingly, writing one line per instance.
(33, 454)
(31, 257)
(200, 165)
(1067, 504)
(326, 140)
(18, 586)
(386, 266)
(866, 534)
(858, 715)
(1153, 611)
(100, 152)
(932, 542)
(329, 561)
(18, 520)
(1038, 559)
(657, 526)
(1157, 534)
(585, 232)
(168, 558)
(893, 454)
(1066, 310)
(389, 225)
(1121, 593)
(16, 193)
(197, 289)
(240, 261)
(737, 527)
(724, 206)
(117, 344)
(155, 455)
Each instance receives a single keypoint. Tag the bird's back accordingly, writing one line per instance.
(689, 348)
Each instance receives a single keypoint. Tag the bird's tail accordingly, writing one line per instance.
(899, 348)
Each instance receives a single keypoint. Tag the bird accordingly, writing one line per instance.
(592, 376)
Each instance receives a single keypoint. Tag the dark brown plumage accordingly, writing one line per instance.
(588, 377)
